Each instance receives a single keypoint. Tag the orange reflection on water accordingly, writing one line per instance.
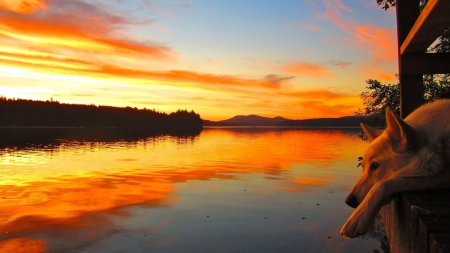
(303, 181)
(62, 188)
(64, 202)
(278, 149)
(314, 181)
(22, 245)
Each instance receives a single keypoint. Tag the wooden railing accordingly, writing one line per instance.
(419, 221)
(416, 31)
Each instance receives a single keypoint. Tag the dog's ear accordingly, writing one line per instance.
(402, 135)
(371, 132)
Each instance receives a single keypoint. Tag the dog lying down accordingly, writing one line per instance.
(409, 155)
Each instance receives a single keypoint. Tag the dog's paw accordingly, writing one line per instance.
(358, 224)
(350, 230)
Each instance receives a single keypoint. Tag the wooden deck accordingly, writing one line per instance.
(416, 31)
(418, 222)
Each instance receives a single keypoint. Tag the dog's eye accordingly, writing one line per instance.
(374, 166)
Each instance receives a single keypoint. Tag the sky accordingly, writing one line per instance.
(296, 59)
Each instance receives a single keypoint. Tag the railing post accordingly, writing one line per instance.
(411, 86)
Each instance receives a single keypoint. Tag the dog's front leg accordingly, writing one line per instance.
(364, 215)
(381, 193)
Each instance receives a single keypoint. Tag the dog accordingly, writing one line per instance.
(409, 155)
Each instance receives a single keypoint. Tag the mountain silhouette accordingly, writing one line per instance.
(246, 120)
(255, 120)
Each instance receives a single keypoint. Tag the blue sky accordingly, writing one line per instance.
(296, 59)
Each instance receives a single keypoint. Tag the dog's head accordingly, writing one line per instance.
(388, 151)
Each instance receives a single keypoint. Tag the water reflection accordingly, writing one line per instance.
(240, 190)
(48, 138)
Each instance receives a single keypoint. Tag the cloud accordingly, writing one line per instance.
(22, 6)
(322, 109)
(380, 43)
(78, 30)
(276, 79)
(317, 94)
(342, 6)
(312, 27)
(77, 40)
(213, 63)
(306, 69)
(340, 64)
(48, 62)
(182, 76)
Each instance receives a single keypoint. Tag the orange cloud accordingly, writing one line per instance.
(58, 40)
(276, 79)
(317, 94)
(321, 109)
(66, 33)
(383, 76)
(380, 43)
(22, 6)
(306, 69)
(48, 62)
(340, 64)
(312, 27)
(342, 6)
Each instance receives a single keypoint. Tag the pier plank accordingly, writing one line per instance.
(418, 222)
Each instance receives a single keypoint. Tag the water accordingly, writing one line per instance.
(222, 190)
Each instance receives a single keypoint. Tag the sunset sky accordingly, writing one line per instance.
(297, 59)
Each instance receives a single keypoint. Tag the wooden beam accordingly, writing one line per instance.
(411, 86)
(411, 93)
(407, 13)
(430, 24)
(419, 64)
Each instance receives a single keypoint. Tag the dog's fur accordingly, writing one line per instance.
(409, 155)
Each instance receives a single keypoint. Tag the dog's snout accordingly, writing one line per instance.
(352, 201)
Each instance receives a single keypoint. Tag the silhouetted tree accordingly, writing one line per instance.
(21, 112)
(379, 96)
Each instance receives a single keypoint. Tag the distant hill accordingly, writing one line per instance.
(248, 120)
(255, 120)
(349, 121)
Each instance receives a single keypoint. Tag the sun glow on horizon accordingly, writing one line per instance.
(146, 59)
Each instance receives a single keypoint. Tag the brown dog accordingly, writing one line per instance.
(409, 155)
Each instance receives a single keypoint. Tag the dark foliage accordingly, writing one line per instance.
(21, 112)
(324, 122)
(380, 96)
(376, 99)
(386, 3)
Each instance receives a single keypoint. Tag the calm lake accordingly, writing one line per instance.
(221, 190)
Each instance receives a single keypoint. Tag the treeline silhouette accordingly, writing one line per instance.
(349, 121)
(35, 113)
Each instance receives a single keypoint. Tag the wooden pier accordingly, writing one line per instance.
(419, 221)
(416, 31)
